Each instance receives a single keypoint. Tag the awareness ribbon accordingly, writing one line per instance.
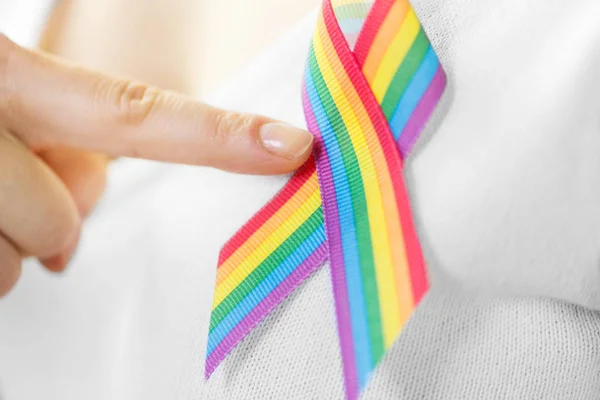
(371, 83)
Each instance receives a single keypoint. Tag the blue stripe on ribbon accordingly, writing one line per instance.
(268, 284)
(414, 92)
(358, 314)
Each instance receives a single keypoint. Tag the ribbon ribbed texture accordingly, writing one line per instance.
(371, 82)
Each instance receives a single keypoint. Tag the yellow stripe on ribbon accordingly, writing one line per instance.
(261, 234)
(383, 38)
(272, 242)
(346, 98)
(395, 54)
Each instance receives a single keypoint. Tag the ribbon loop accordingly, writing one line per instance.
(371, 82)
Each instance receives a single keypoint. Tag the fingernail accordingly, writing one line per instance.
(284, 140)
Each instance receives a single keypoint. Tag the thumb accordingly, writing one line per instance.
(49, 104)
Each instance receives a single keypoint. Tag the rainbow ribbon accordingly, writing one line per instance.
(371, 83)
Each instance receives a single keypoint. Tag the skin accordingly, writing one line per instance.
(61, 123)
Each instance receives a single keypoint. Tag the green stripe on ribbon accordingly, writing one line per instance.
(359, 203)
(282, 252)
(405, 73)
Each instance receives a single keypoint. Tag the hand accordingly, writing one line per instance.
(46, 104)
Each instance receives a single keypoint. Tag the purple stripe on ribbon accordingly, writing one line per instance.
(303, 271)
(338, 275)
(422, 112)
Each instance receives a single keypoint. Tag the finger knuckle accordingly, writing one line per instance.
(230, 125)
(132, 103)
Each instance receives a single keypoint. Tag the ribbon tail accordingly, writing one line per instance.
(265, 261)
(377, 268)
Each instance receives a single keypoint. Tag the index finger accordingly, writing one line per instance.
(49, 103)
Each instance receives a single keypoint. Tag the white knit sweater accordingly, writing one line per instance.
(506, 194)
